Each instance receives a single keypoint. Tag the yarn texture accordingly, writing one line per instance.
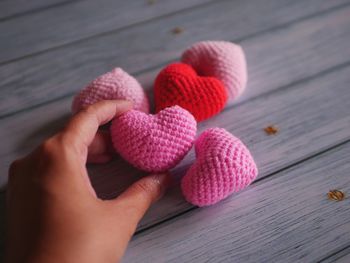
(154, 143)
(179, 84)
(222, 60)
(116, 84)
(223, 165)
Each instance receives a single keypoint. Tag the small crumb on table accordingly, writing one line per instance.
(271, 130)
(177, 30)
(336, 195)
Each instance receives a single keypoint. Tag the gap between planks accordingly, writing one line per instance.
(64, 36)
(261, 80)
(286, 218)
(27, 9)
(67, 107)
(192, 208)
(58, 86)
(340, 256)
(303, 134)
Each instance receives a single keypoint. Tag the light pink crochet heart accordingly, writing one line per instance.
(223, 166)
(116, 84)
(220, 59)
(154, 143)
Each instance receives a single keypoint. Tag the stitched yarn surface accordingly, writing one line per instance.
(223, 165)
(154, 143)
(223, 60)
(179, 84)
(116, 84)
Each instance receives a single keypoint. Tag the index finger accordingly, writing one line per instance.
(84, 125)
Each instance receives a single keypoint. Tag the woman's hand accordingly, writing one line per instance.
(52, 210)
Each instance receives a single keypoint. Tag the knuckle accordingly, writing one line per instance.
(48, 147)
(90, 111)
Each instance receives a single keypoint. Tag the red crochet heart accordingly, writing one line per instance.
(179, 84)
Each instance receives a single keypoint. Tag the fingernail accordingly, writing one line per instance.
(124, 103)
(164, 181)
(123, 106)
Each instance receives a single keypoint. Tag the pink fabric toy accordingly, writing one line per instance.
(154, 143)
(116, 84)
(223, 166)
(220, 59)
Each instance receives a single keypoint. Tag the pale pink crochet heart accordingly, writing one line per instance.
(220, 59)
(154, 143)
(223, 165)
(116, 84)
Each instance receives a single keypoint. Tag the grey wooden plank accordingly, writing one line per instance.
(344, 259)
(312, 117)
(15, 8)
(341, 256)
(78, 20)
(66, 70)
(286, 218)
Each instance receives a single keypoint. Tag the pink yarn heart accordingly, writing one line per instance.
(220, 59)
(154, 143)
(223, 166)
(116, 84)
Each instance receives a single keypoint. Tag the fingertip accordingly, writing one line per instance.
(123, 106)
(144, 192)
(133, 203)
(163, 180)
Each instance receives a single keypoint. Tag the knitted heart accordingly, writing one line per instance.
(220, 59)
(179, 84)
(116, 84)
(223, 166)
(154, 143)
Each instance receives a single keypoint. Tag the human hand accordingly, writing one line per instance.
(53, 214)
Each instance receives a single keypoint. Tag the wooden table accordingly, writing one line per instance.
(298, 56)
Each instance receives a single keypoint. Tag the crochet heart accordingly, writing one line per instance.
(116, 84)
(154, 143)
(179, 84)
(220, 59)
(223, 165)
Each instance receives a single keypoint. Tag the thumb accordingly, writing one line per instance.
(132, 204)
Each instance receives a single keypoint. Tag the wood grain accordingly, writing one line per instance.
(341, 256)
(343, 259)
(312, 117)
(68, 69)
(14, 8)
(78, 20)
(286, 218)
(299, 70)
